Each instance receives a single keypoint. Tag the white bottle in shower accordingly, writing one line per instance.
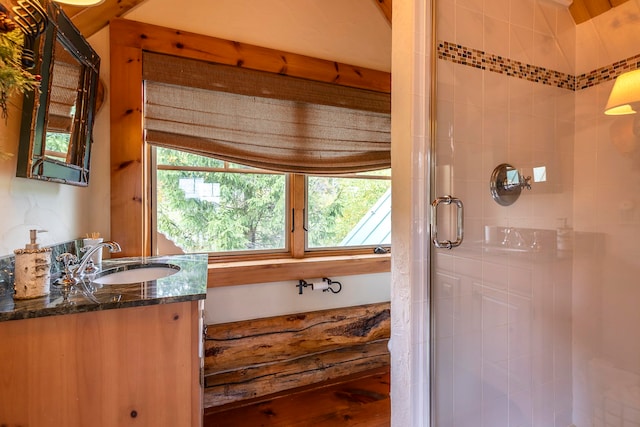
(564, 236)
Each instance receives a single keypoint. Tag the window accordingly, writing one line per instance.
(57, 145)
(349, 211)
(143, 53)
(259, 164)
(207, 205)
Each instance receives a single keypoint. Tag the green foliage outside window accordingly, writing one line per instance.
(336, 205)
(57, 144)
(235, 209)
(246, 214)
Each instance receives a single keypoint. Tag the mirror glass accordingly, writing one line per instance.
(57, 123)
(63, 94)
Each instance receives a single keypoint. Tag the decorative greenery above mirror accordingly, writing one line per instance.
(13, 78)
(57, 123)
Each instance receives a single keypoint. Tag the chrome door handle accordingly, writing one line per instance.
(447, 244)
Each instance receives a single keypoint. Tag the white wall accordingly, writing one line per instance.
(353, 32)
(29, 204)
(235, 303)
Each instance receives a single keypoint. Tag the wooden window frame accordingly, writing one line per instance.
(131, 218)
(297, 199)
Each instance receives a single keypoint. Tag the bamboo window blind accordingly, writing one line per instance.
(265, 120)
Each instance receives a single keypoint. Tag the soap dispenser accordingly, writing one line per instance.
(32, 269)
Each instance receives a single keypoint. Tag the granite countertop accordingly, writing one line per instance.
(189, 284)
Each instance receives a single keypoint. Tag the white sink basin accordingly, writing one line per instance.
(135, 273)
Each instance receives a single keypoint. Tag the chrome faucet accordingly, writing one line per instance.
(86, 259)
(72, 277)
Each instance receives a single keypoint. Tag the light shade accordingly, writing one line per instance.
(625, 95)
(80, 2)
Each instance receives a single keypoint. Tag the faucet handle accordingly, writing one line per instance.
(67, 260)
(67, 282)
(90, 267)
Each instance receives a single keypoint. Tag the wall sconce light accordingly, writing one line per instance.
(625, 95)
(624, 100)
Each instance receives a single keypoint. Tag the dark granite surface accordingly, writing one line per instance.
(189, 284)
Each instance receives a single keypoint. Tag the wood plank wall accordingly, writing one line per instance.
(255, 358)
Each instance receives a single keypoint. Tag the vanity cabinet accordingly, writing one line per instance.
(132, 366)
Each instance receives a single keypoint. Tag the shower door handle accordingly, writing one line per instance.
(447, 200)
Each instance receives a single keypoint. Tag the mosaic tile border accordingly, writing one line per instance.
(485, 61)
(608, 73)
(478, 59)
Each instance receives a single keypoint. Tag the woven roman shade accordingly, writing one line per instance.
(264, 120)
(63, 96)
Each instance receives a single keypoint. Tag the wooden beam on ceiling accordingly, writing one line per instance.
(90, 20)
(385, 7)
(584, 10)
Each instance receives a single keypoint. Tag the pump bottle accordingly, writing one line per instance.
(32, 269)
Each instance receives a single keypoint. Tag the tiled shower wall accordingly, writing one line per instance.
(606, 285)
(534, 335)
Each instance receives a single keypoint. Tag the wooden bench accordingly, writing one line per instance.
(255, 358)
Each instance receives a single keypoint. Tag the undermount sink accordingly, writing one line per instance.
(135, 273)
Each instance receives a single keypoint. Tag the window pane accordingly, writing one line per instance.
(348, 212)
(202, 211)
(57, 145)
(167, 156)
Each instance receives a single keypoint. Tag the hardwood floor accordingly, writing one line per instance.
(360, 401)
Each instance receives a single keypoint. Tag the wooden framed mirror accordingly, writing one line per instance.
(57, 123)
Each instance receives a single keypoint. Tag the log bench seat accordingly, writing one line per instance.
(256, 358)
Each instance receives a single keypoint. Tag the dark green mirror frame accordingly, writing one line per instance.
(56, 146)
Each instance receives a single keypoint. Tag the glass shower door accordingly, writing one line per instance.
(501, 301)
(535, 315)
